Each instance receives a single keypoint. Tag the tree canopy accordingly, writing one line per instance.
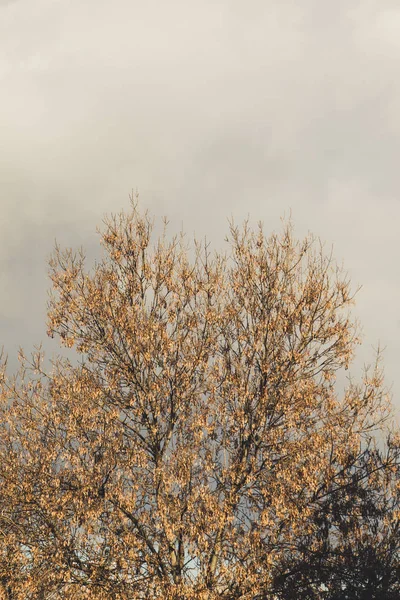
(201, 448)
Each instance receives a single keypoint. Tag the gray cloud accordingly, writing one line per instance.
(210, 109)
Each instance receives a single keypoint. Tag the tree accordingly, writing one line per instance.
(355, 545)
(200, 449)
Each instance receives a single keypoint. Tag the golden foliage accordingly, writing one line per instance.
(189, 450)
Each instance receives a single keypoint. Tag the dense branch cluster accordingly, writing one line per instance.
(201, 448)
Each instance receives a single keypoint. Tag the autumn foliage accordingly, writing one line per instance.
(202, 447)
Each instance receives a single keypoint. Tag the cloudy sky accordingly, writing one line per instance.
(211, 109)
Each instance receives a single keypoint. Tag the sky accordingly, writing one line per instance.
(211, 109)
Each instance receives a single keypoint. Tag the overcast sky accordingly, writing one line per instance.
(211, 109)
